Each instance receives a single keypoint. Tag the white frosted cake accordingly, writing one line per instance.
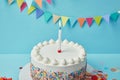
(48, 64)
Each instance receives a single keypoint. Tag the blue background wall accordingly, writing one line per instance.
(20, 32)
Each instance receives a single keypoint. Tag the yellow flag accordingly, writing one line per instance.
(98, 19)
(31, 9)
(20, 2)
(55, 18)
(64, 20)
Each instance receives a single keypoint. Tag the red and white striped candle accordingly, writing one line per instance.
(59, 37)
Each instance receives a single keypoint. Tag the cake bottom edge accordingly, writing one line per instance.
(41, 74)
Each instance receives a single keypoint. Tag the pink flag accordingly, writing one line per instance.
(23, 6)
(89, 21)
(49, 1)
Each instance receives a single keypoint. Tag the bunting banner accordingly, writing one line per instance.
(64, 20)
(20, 2)
(73, 21)
(10, 2)
(89, 21)
(47, 16)
(39, 2)
(39, 13)
(23, 6)
(29, 2)
(107, 18)
(49, 1)
(36, 5)
(31, 9)
(114, 16)
(98, 19)
(81, 21)
(55, 18)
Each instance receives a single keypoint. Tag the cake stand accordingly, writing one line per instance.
(25, 72)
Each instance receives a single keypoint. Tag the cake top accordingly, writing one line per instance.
(46, 53)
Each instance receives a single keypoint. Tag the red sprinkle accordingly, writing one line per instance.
(59, 51)
(94, 77)
(102, 79)
(3, 78)
(9, 78)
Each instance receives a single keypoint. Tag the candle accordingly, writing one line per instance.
(59, 37)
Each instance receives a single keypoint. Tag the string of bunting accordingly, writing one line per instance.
(36, 5)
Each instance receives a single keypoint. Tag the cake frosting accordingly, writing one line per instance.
(69, 63)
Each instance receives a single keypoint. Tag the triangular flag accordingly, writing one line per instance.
(49, 1)
(47, 16)
(31, 9)
(39, 2)
(23, 6)
(81, 21)
(55, 18)
(35, 4)
(64, 20)
(72, 21)
(39, 13)
(107, 18)
(114, 16)
(98, 19)
(10, 2)
(89, 21)
(29, 2)
(20, 2)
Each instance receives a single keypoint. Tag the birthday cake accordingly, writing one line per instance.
(47, 63)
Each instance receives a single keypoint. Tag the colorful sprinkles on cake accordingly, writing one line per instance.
(5, 78)
(41, 74)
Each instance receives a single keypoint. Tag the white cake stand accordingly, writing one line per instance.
(25, 72)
